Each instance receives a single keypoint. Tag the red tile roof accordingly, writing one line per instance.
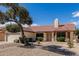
(65, 27)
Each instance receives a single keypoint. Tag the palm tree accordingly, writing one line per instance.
(18, 14)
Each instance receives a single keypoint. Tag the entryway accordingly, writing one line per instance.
(39, 35)
(49, 37)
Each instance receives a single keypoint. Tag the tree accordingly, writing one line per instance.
(3, 17)
(13, 28)
(77, 32)
(18, 14)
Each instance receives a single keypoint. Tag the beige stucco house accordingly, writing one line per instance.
(49, 33)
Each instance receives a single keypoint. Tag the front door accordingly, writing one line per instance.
(49, 36)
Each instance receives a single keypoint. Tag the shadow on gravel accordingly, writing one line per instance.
(59, 50)
(22, 46)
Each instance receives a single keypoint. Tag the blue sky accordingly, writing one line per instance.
(45, 14)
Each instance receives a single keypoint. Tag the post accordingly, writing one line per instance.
(6, 36)
(33, 36)
(55, 37)
(66, 36)
(70, 42)
(52, 36)
(71, 36)
(44, 36)
(75, 40)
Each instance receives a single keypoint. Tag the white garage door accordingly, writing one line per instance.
(12, 37)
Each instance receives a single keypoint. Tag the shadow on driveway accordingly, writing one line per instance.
(59, 50)
(23, 46)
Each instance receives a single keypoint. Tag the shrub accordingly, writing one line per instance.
(22, 39)
(39, 38)
(61, 39)
(70, 44)
(26, 41)
(16, 41)
(13, 28)
(77, 32)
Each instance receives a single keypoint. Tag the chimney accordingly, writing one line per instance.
(56, 23)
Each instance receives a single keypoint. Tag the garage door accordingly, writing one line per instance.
(2, 35)
(12, 37)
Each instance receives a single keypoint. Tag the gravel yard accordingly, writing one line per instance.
(45, 49)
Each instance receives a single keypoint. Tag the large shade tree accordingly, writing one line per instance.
(3, 16)
(17, 14)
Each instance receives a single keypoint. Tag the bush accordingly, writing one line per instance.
(22, 39)
(26, 41)
(16, 41)
(70, 44)
(39, 38)
(13, 28)
(61, 39)
(77, 31)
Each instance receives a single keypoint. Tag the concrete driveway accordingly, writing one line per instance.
(44, 49)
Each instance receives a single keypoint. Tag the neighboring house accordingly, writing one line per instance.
(49, 33)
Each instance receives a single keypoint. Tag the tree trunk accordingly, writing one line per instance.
(21, 29)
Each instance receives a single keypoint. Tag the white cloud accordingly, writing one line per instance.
(76, 23)
(10, 23)
(31, 25)
(35, 25)
(75, 14)
(3, 25)
(25, 25)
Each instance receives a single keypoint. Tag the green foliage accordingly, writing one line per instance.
(61, 34)
(77, 32)
(13, 28)
(39, 38)
(16, 41)
(70, 43)
(61, 39)
(3, 17)
(26, 41)
(14, 11)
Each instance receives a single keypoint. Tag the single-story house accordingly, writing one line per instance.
(49, 33)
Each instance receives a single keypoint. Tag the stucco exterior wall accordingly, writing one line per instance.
(2, 35)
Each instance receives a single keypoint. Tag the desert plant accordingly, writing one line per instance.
(39, 39)
(70, 43)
